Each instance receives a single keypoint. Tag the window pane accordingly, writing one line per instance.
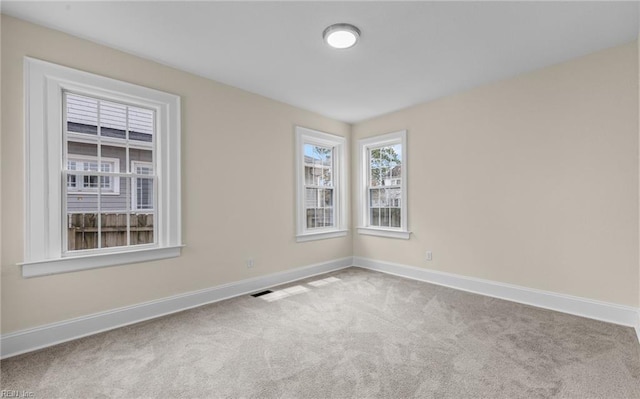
(82, 232)
(77, 151)
(90, 182)
(374, 216)
(106, 183)
(327, 176)
(396, 151)
(375, 197)
(328, 214)
(114, 213)
(328, 198)
(317, 175)
(375, 177)
(395, 217)
(113, 158)
(308, 175)
(384, 217)
(114, 229)
(327, 167)
(140, 155)
(311, 218)
(320, 216)
(393, 197)
(311, 198)
(72, 182)
(141, 125)
(78, 157)
(142, 228)
(144, 193)
(113, 120)
(82, 114)
(143, 169)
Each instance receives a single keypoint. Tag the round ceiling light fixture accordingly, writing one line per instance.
(341, 36)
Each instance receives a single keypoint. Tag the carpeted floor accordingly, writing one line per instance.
(352, 333)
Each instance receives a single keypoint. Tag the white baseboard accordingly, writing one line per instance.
(603, 311)
(23, 341)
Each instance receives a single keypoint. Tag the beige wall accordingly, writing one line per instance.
(531, 181)
(238, 186)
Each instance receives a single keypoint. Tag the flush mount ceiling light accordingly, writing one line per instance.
(341, 36)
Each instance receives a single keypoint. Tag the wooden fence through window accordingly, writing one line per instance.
(83, 230)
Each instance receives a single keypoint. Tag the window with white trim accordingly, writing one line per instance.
(383, 186)
(321, 185)
(99, 191)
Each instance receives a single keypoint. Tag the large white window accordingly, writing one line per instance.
(383, 186)
(321, 185)
(102, 171)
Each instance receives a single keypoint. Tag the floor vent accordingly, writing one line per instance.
(261, 293)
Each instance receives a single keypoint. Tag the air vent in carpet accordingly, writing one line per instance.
(261, 293)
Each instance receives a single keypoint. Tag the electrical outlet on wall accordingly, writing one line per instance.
(249, 263)
(429, 256)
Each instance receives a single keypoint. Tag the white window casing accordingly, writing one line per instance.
(395, 183)
(44, 216)
(335, 217)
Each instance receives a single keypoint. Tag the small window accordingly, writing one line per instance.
(320, 167)
(143, 193)
(383, 198)
(88, 183)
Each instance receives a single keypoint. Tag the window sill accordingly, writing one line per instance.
(86, 262)
(372, 231)
(321, 235)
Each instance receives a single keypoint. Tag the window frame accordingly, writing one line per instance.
(45, 84)
(364, 146)
(134, 186)
(339, 145)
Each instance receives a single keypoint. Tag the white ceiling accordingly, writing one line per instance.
(409, 52)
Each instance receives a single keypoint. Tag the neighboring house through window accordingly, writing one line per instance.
(105, 134)
(142, 186)
(321, 185)
(88, 184)
(383, 187)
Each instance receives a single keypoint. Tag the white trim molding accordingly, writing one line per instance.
(589, 308)
(117, 257)
(322, 236)
(373, 231)
(28, 340)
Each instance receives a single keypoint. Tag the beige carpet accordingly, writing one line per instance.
(359, 334)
